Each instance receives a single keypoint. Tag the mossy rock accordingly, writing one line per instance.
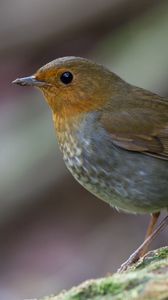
(146, 280)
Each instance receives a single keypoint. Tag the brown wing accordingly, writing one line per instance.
(139, 129)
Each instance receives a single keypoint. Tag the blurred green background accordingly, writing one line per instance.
(53, 233)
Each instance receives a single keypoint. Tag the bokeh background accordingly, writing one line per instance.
(53, 233)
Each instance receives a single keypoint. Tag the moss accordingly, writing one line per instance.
(153, 256)
(163, 252)
(148, 279)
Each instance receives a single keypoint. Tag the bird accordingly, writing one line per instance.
(113, 137)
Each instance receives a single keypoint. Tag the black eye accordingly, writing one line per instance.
(66, 77)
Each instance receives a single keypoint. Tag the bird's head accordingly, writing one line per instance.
(73, 85)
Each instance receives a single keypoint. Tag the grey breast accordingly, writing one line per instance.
(127, 180)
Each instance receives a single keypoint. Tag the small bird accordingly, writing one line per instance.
(113, 136)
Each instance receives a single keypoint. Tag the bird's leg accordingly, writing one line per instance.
(135, 255)
(151, 226)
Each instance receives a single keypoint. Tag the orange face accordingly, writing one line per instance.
(74, 85)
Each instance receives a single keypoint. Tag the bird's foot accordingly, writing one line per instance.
(140, 251)
(134, 257)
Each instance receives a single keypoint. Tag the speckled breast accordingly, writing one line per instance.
(126, 180)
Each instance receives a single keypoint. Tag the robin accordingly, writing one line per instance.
(113, 136)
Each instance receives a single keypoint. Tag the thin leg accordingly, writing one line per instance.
(151, 226)
(135, 255)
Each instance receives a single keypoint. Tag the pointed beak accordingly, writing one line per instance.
(29, 81)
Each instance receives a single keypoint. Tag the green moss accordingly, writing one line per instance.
(93, 289)
(163, 252)
(153, 256)
(148, 279)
